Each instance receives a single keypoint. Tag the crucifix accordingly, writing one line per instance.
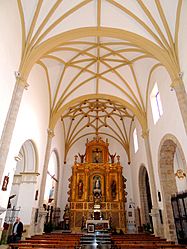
(97, 155)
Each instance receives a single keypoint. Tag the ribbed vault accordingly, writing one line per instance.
(94, 117)
(98, 48)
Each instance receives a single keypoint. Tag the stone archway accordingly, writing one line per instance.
(168, 183)
(145, 196)
(23, 185)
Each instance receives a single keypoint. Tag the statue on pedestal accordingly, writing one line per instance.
(82, 157)
(80, 188)
(113, 189)
(112, 157)
(97, 186)
(66, 217)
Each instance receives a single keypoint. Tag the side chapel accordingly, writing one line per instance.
(97, 189)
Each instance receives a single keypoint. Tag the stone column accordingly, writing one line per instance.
(10, 121)
(180, 91)
(39, 228)
(45, 167)
(155, 208)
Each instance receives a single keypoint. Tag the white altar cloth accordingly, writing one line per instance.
(97, 222)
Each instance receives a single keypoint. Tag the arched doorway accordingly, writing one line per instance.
(145, 199)
(171, 159)
(23, 185)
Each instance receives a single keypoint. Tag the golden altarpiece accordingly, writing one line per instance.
(97, 189)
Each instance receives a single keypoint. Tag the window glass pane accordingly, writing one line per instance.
(156, 104)
(159, 104)
(135, 138)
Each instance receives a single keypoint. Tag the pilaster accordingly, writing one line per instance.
(181, 95)
(45, 167)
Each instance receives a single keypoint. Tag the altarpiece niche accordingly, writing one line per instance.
(97, 189)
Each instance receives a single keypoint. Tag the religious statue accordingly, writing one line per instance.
(66, 217)
(112, 157)
(83, 222)
(80, 188)
(82, 157)
(97, 184)
(51, 194)
(113, 189)
(110, 220)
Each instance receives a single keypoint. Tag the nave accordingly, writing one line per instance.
(108, 74)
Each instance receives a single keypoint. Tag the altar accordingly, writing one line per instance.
(97, 189)
(97, 225)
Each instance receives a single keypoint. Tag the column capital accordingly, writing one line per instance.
(145, 133)
(29, 177)
(21, 80)
(50, 132)
(177, 82)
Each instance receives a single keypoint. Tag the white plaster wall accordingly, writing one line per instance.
(182, 42)
(10, 53)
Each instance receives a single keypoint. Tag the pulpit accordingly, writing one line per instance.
(97, 189)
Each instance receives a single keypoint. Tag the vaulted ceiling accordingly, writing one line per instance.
(98, 57)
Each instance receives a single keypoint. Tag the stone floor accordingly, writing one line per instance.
(4, 246)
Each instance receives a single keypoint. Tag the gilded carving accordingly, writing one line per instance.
(97, 185)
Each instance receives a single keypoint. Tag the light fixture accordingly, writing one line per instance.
(180, 174)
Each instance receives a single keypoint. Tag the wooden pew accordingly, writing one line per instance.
(43, 245)
(135, 241)
(48, 241)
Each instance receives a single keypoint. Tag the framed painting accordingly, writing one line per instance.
(91, 228)
(5, 183)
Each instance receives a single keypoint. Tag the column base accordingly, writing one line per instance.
(156, 222)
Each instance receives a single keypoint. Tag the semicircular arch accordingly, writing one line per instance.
(166, 154)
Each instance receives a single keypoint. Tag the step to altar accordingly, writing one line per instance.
(96, 240)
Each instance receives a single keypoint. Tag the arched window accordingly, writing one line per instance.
(135, 139)
(156, 104)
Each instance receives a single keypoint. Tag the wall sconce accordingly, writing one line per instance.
(180, 174)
